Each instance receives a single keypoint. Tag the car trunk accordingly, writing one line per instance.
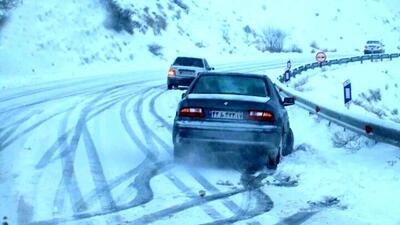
(227, 107)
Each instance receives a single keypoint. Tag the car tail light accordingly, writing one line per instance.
(171, 72)
(261, 115)
(191, 112)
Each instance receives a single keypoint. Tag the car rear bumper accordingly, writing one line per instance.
(198, 133)
(180, 81)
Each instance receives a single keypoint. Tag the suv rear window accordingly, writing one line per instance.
(223, 84)
(185, 61)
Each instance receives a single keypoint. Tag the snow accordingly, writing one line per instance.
(39, 44)
(375, 88)
(85, 132)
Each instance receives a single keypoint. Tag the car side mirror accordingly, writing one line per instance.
(288, 101)
(183, 95)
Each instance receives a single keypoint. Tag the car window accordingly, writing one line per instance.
(221, 84)
(373, 42)
(184, 61)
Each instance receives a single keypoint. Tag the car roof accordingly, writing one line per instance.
(232, 74)
(186, 57)
(373, 41)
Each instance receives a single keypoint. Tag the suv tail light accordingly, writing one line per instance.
(171, 72)
(261, 115)
(191, 112)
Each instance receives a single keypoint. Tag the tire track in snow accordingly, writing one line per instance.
(100, 182)
(47, 158)
(58, 96)
(6, 141)
(141, 182)
(198, 201)
(68, 181)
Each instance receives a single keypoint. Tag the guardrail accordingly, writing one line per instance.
(361, 59)
(377, 129)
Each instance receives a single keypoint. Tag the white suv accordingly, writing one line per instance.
(373, 47)
(184, 69)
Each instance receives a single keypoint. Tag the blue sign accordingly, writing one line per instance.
(286, 75)
(347, 92)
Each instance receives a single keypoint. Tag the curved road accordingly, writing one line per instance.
(99, 151)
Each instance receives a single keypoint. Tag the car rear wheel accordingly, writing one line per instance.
(273, 160)
(288, 145)
(169, 86)
(178, 151)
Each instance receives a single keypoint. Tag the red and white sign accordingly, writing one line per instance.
(320, 57)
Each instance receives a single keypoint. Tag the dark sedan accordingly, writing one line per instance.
(225, 111)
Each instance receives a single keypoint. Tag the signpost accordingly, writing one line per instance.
(288, 65)
(347, 93)
(320, 57)
(287, 75)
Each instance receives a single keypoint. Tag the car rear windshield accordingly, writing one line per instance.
(239, 85)
(184, 61)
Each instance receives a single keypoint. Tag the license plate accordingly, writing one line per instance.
(186, 73)
(227, 115)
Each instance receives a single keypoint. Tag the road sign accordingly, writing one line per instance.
(287, 75)
(288, 65)
(320, 57)
(347, 92)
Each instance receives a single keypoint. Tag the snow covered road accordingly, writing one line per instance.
(99, 151)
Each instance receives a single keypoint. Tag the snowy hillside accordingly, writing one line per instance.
(50, 39)
(375, 88)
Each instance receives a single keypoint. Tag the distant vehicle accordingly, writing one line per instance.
(223, 111)
(373, 47)
(184, 69)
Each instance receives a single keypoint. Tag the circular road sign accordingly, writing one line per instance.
(320, 57)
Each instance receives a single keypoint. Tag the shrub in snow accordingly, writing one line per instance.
(370, 108)
(181, 5)
(132, 19)
(225, 36)
(119, 19)
(314, 45)
(200, 45)
(271, 40)
(155, 21)
(349, 140)
(6, 5)
(374, 95)
(155, 49)
(295, 48)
